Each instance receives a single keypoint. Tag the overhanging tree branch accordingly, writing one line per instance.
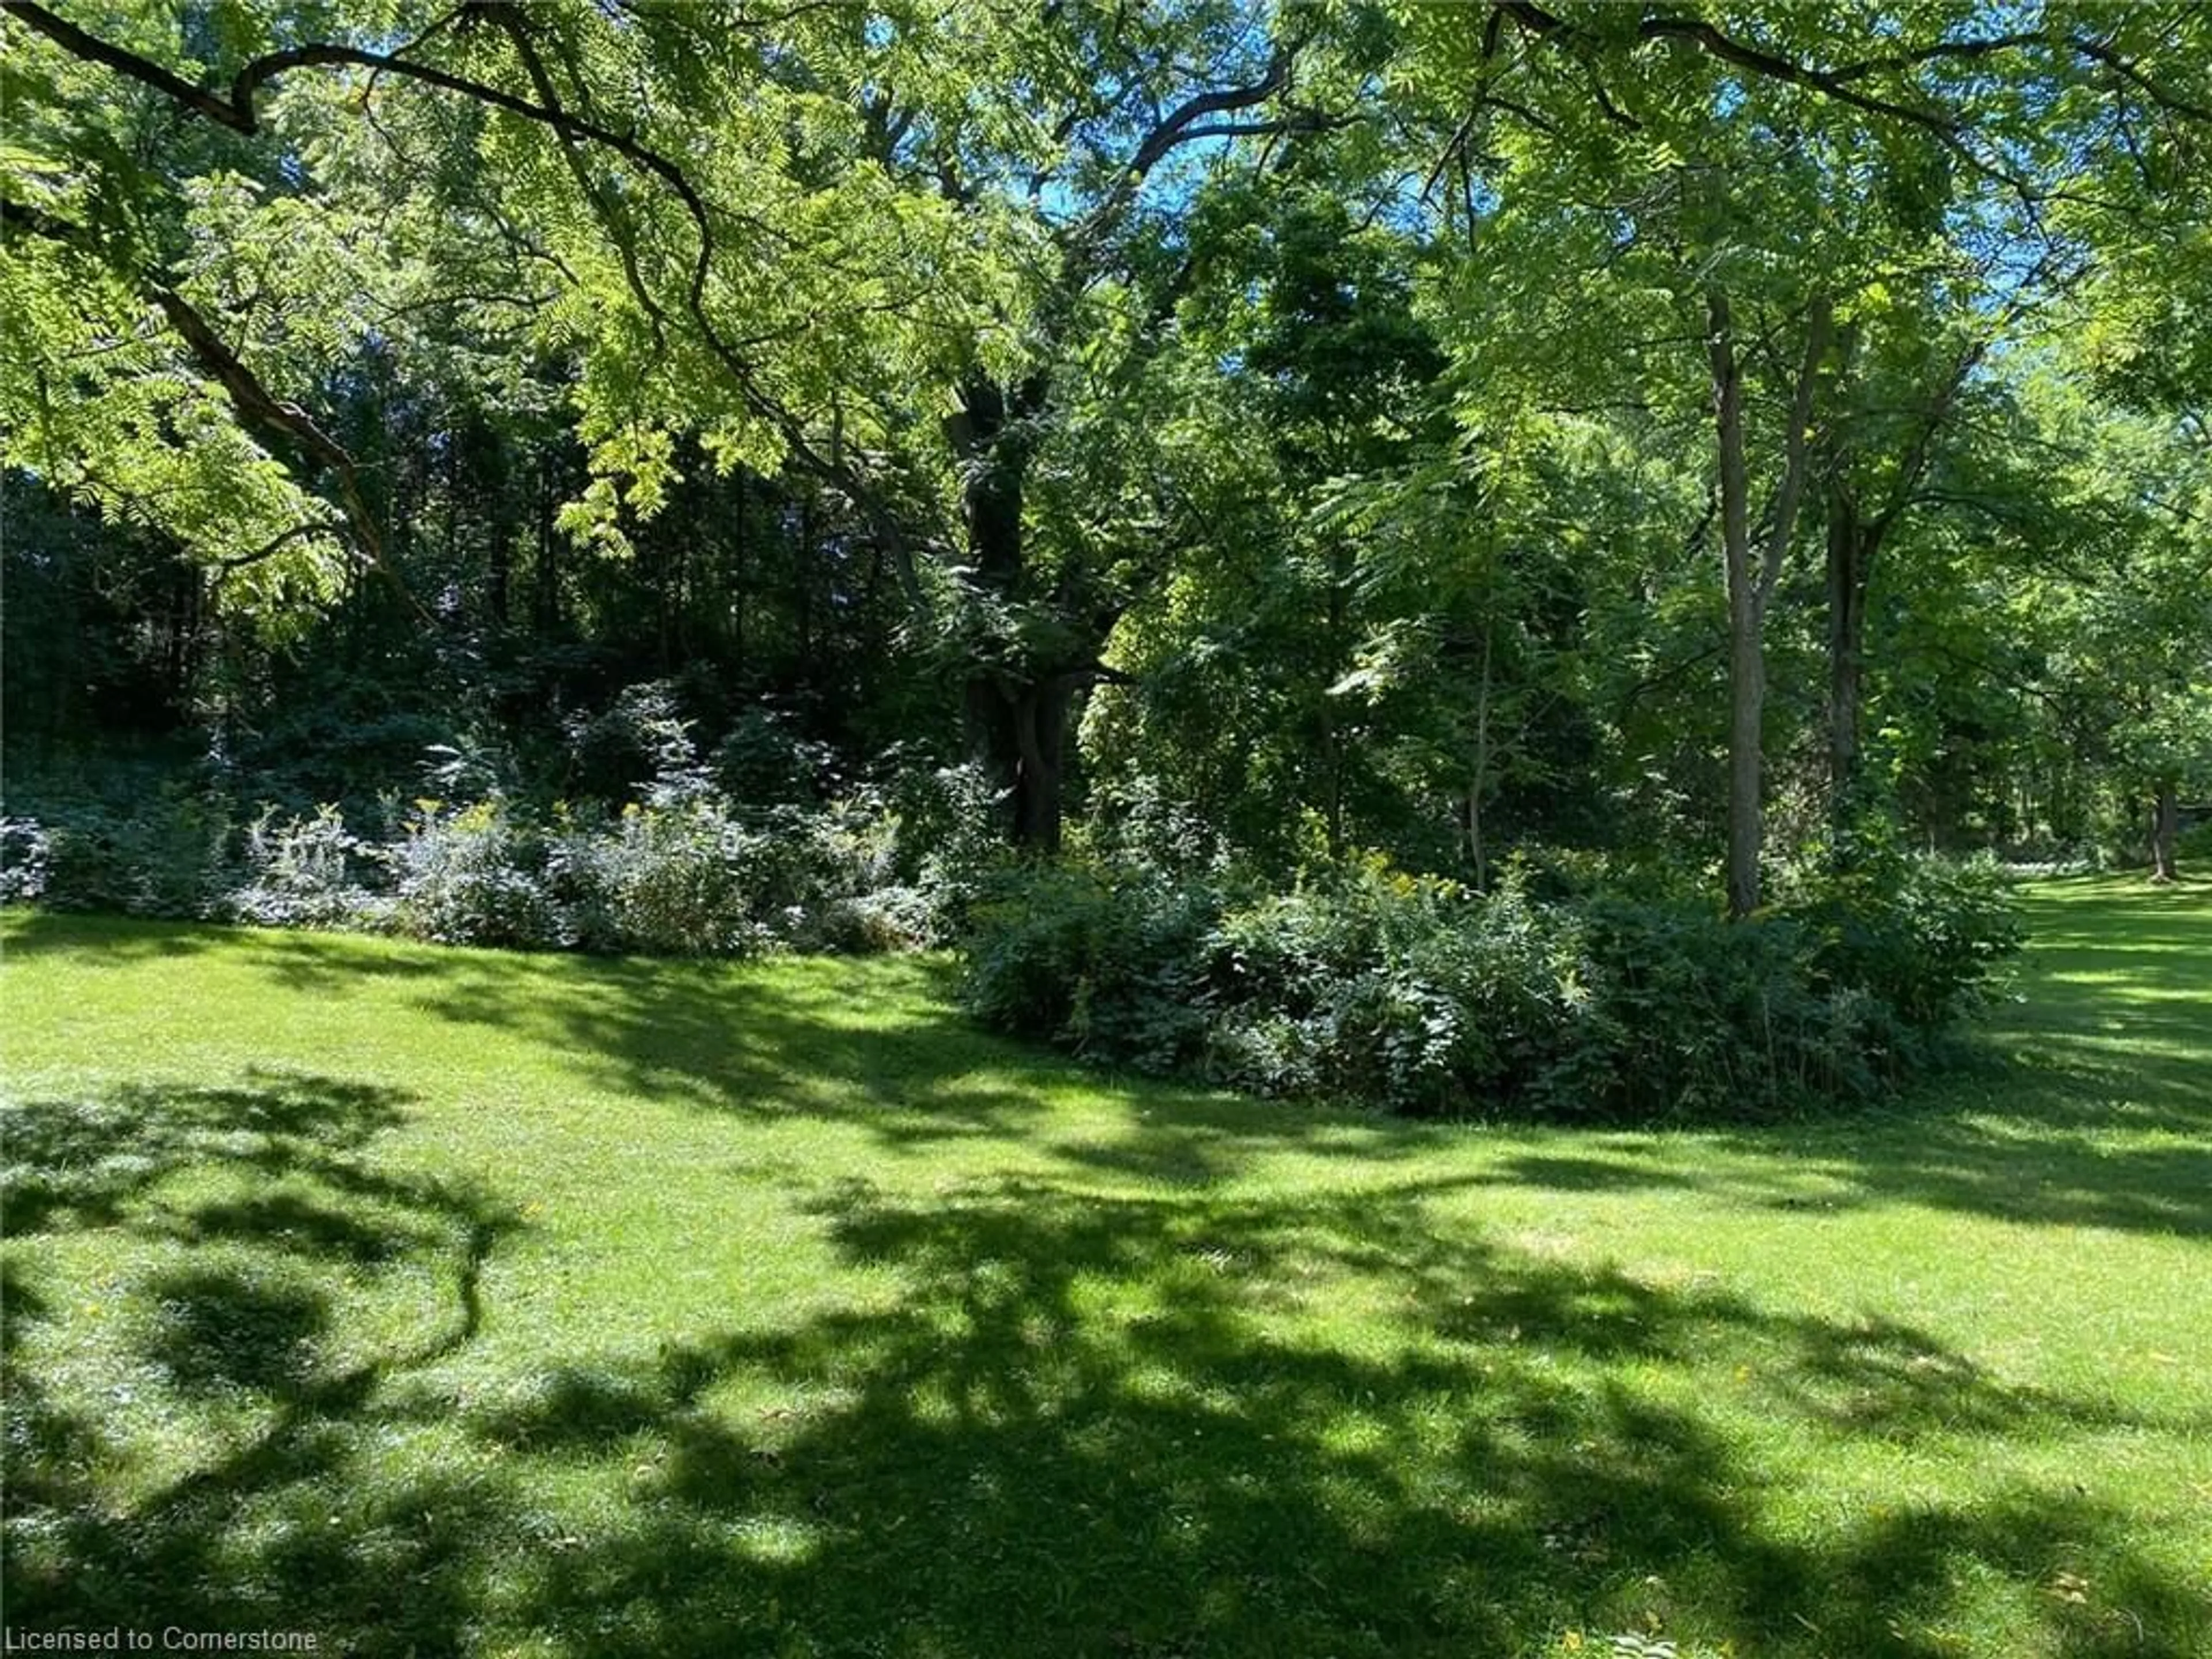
(1697, 32)
(238, 113)
(259, 408)
(1845, 83)
(1189, 122)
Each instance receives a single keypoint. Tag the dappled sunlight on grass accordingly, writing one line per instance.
(458, 1301)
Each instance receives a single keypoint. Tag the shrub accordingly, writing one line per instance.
(1923, 936)
(1108, 967)
(165, 854)
(640, 742)
(26, 852)
(305, 872)
(1687, 1014)
(470, 875)
(1415, 995)
(1406, 992)
(836, 885)
(945, 847)
(668, 880)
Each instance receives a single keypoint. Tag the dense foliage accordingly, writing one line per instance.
(680, 867)
(695, 478)
(1417, 995)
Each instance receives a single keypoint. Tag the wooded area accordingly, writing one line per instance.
(1573, 636)
(1599, 439)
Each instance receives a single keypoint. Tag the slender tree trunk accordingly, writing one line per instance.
(2166, 830)
(1857, 533)
(452, 497)
(1477, 854)
(1751, 585)
(1332, 726)
(1747, 659)
(499, 574)
(664, 602)
(681, 599)
(499, 491)
(1850, 566)
(803, 579)
(545, 598)
(740, 578)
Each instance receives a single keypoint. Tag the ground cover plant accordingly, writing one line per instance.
(443, 1301)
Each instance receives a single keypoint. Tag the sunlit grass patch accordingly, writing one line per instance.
(456, 1302)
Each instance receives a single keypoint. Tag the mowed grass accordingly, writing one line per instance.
(451, 1302)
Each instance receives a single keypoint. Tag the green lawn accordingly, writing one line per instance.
(440, 1302)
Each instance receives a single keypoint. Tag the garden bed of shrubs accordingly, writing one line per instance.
(1417, 995)
(684, 862)
(1542, 998)
(685, 877)
(1570, 989)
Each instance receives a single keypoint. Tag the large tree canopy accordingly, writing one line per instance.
(1429, 427)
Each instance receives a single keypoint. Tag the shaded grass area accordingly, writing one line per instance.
(452, 1302)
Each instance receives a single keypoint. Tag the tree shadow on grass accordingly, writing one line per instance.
(229, 1323)
(876, 1042)
(1085, 1422)
(2015, 1167)
(101, 941)
(2113, 1038)
(1080, 1435)
(2090, 1105)
(82, 1163)
(2094, 1110)
(2023, 1135)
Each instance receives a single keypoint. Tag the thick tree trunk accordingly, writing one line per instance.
(1040, 729)
(1017, 710)
(2164, 831)
(1018, 734)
